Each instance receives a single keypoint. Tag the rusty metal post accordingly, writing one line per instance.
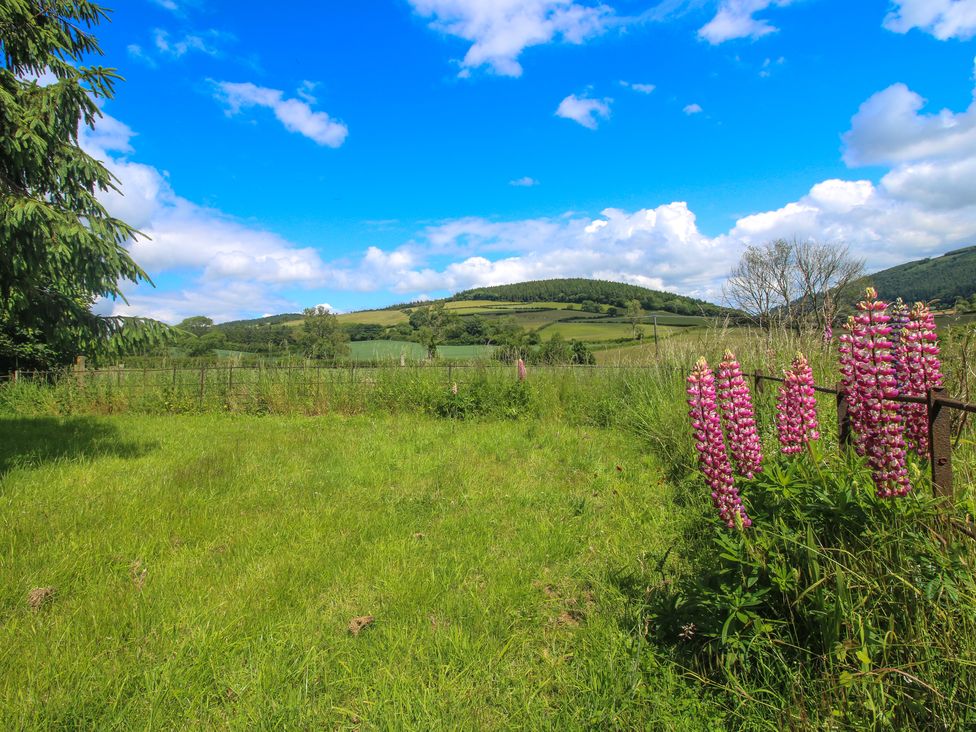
(940, 444)
(843, 417)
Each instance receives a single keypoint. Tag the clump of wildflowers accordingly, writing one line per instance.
(881, 424)
(521, 370)
(712, 457)
(738, 416)
(918, 369)
(796, 408)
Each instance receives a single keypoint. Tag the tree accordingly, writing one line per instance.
(322, 335)
(634, 314)
(431, 323)
(60, 250)
(793, 285)
(198, 325)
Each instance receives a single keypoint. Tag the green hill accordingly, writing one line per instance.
(945, 278)
(578, 290)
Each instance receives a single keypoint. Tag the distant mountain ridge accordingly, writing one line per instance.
(942, 278)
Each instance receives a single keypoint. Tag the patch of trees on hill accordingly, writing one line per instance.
(579, 290)
(947, 279)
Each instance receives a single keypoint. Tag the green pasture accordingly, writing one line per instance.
(202, 572)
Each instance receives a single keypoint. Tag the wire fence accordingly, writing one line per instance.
(317, 380)
(938, 411)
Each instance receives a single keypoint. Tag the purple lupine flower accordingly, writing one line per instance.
(712, 457)
(918, 369)
(738, 417)
(882, 422)
(848, 380)
(796, 408)
(521, 370)
(828, 335)
(899, 314)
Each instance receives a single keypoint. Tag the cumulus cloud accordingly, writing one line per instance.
(525, 182)
(693, 109)
(943, 19)
(737, 19)
(205, 42)
(584, 110)
(500, 30)
(295, 114)
(228, 267)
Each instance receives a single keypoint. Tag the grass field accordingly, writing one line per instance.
(593, 332)
(205, 571)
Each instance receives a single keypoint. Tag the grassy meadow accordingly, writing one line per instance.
(206, 570)
(188, 548)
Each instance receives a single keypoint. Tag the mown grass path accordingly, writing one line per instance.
(206, 570)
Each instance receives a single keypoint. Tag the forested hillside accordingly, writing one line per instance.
(578, 290)
(945, 278)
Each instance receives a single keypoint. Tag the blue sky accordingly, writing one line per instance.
(360, 154)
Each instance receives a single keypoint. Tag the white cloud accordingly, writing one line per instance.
(168, 4)
(736, 19)
(692, 109)
(525, 182)
(136, 51)
(943, 19)
(294, 114)
(205, 42)
(584, 110)
(499, 30)
(889, 129)
(641, 88)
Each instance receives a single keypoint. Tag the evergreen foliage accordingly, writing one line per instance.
(60, 250)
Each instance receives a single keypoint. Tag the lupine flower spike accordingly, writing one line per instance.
(881, 419)
(828, 335)
(918, 369)
(848, 380)
(738, 416)
(899, 314)
(712, 457)
(796, 408)
(521, 370)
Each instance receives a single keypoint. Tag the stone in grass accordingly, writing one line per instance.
(39, 597)
(356, 625)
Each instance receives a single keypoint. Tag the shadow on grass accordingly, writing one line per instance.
(35, 441)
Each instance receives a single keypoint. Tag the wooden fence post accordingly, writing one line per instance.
(940, 444)
(843, 417)
(758, 382)
(203, 381)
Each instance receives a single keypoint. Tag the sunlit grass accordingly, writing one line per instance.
(206, 569)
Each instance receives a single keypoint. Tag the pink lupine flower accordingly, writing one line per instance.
(918, 369)
(712, 457)
(828, 335)
(899, 314)
(521, 370)
(881, 422)
(848, 380)
(738, 417)
(796, 408)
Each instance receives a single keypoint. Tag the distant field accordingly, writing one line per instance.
(391, 351)
(378, 317)
(535, 319)
(594, 332)
(668, 319)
